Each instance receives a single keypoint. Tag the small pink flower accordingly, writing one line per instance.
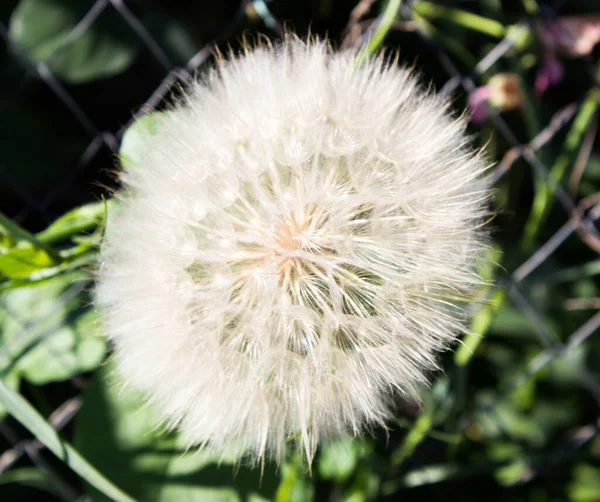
(503, 92)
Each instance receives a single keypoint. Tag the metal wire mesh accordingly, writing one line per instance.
(579, 216)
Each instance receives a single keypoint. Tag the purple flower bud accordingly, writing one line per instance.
(478, 104)
(549, 74)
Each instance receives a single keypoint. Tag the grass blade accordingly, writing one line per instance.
(23, 412)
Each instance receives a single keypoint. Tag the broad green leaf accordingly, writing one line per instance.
(585, 486)
(516, 468)
(80, 219)
(295, 485)
(174, 38)
(338, 460)
(42, 29)
(117, 431)
(21, 262)
(48, 331)
(138, 136)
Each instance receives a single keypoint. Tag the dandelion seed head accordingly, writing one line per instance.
(293, 250)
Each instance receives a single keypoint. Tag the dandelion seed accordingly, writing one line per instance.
(295, 247)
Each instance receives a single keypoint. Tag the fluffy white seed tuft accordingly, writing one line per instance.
(294, 249)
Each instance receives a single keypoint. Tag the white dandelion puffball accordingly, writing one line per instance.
(294, 248)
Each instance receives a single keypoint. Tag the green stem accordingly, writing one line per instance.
(387, 19)
(28, 416)
(433, 433)
(545, 190)
(479, 326)
(530, 7)
(414, 437)
(451, 44)
(463, 18)
(81, 219)
(481, 321)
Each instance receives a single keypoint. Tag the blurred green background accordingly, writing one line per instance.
(514, 414)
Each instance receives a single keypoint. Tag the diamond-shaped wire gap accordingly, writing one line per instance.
(58, 419)
(43, 72)
(584, 332)
(138, 27)
(551, 245)
(65, 182)
(554, 347)
(548, 338)
(556, 123)
(84, 161)
(66, 491)
(32, 203)
(485, 64)
(155, 98)
(79, 29)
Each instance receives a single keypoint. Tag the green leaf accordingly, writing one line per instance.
(21, 262)
(21, 253)
(138, 136)
(33, 261)
(173, 37)
(338, 460)
(15, 233)
(44, 275)
(516, 469)
(585, 486)
(152, 465)
(42, 29)
(80, 219)
(295, 485)
(512, 323)
(49, 333)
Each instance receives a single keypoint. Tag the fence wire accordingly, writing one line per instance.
(579, 215)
